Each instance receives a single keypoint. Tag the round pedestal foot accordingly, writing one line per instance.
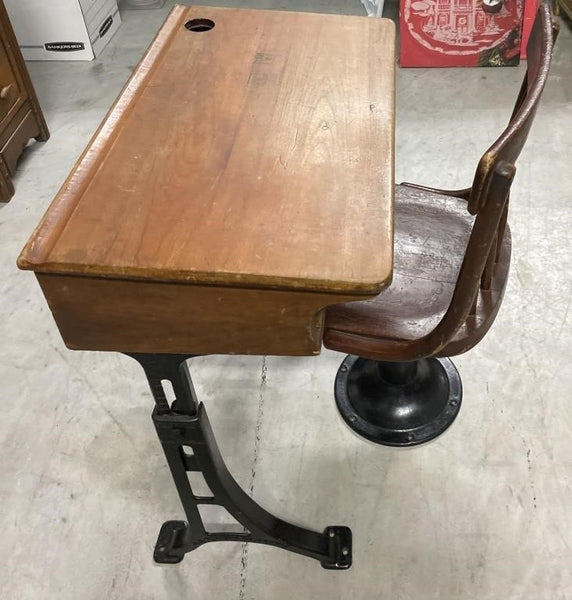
(398, 403)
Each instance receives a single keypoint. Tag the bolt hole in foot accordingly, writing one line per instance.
(199, 25)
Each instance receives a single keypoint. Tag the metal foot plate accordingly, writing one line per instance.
(170, 546)
(340, 545)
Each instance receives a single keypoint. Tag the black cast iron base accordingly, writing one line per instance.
(398, 403)
(189, 445)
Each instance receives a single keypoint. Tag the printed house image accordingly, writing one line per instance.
(441, 33)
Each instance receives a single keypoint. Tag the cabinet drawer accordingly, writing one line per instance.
(10, 90)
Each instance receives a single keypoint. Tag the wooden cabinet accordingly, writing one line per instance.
(20, 115)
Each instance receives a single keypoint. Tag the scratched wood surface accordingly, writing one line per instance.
(258, 153)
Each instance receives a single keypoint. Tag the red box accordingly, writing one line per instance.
(460, 33)
(530, 10)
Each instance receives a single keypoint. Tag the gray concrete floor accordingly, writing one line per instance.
(484, 512)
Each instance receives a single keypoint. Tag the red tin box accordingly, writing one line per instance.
(460, 33)
(530, 10)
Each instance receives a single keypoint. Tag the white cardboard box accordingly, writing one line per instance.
(374, 8)
(63, 29)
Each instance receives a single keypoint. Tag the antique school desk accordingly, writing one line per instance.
(242, 182)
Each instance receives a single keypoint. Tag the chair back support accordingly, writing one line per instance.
(488, 198)
(509, 145)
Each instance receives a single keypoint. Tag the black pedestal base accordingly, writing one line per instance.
(398, 403)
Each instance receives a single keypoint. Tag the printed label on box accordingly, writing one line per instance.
(64, 46)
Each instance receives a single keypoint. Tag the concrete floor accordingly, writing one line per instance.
(484, 512)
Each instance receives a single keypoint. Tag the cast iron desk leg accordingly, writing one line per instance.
(189, 445)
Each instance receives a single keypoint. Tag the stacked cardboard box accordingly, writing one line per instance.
(63, 29)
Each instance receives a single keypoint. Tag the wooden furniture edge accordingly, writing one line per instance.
(46, 234)
(361, 290)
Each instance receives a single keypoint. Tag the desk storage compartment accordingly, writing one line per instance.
(140, 316)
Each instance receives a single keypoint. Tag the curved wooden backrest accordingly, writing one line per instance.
(509, 145)
(488, 198)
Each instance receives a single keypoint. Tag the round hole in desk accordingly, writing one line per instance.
(198, 25)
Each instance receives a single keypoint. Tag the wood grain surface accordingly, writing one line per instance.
(144, 316)
(256, 154)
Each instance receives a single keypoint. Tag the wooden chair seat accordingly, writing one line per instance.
(398, 386)
(431, 235)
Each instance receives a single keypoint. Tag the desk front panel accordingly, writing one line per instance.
(135, 316)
